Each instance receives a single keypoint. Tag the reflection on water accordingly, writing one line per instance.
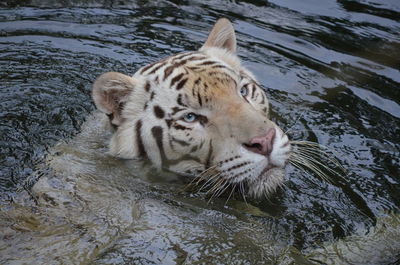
(332, 67)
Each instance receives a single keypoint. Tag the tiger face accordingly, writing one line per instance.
(197, 113)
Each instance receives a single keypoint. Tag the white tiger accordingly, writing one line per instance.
(198, 113)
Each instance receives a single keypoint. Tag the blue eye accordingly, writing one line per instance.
(190, 117)
(244, 91)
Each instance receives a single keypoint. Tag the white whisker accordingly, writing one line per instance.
(295, 122)
(230, 194)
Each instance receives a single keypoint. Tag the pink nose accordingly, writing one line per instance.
(262, 144)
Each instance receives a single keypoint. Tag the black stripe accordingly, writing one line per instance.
(183, 143)
(219, 76)
(175, 110)
(252, 91)
(207, 163)
(263, 98)
(194, 91)
(199, 98)
(228, 160)
(145, 68)
(225, 68)
(157, 132)
(152, 95)
(147, 86)
(168, 71)
(194, 149)
(201, 144)
(257, 94)
(181, 84)
(181, 127)
(203, 120)
(183, 55)
(237, 166)
(179, 100)
(139, 142)
(243, 172)
(193, 68)
(169, 122)
(157, 67)
(176, 79)
(158, 111)
(208, 63)
(220, 66)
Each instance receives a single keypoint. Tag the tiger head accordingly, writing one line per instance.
(197, 113)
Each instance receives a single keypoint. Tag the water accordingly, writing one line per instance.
(334, 67)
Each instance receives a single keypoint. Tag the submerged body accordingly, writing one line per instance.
(197, 113)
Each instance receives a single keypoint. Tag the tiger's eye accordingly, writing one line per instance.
(190, 117)
(244, 91)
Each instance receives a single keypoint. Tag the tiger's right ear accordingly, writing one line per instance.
(110, 92)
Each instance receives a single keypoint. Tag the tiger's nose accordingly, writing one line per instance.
(262, 144)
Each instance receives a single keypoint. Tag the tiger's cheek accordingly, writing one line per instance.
(188, 140)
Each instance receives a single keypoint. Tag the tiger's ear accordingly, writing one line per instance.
(110, 92)
(222, 35)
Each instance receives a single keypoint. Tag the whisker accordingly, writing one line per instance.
(310, 164)
(302, 163)
(311, 144)
(312, 159)
(205, 173)
(316, 153)
(316, 147)
(295, 122)
(227, 185)
(220, 190)
(242, 192)
(219, 185)
(230, 194)
(304, 130)
(199, 177)
(210, 181)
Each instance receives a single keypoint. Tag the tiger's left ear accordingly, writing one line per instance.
(222, 35)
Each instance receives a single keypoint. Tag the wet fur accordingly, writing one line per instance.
(148, 110)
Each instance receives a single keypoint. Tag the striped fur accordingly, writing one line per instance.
(209, 83)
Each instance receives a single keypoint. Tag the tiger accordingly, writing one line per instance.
(199, 114)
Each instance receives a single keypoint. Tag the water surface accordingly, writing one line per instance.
(331, 71)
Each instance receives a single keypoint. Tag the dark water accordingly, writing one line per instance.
(331, 70)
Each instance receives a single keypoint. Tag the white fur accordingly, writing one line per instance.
(232, 120)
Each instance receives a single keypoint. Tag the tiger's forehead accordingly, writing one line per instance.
(203, 78)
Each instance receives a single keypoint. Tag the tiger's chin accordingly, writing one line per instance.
(266, 183)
